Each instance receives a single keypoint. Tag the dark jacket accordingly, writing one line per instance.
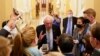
(4, 32)
(56, 33)
(65, 20)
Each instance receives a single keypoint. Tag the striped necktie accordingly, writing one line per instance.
(69, 26)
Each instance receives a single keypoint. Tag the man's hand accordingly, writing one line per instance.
(41, 36)
(14, 16)
(56, 40)
(76, 41)
(12, 22)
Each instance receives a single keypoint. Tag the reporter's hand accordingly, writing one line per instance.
(20, 14)
(76, 41)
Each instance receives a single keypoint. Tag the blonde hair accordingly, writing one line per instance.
(4, 43)
(28, 35)
(90, 11)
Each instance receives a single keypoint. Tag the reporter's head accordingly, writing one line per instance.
(65, 43)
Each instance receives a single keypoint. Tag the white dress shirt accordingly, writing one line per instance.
(49, 35)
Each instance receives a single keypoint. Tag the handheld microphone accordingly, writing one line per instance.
(16, 12)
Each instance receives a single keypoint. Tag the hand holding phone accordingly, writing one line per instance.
(15, 12)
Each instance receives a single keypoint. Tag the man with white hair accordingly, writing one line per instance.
(48, 33)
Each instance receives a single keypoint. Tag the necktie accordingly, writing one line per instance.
(69, 26)
(49, 40)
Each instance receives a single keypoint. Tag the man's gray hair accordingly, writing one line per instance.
(48, 17)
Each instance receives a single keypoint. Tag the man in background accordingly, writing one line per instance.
(68, 23)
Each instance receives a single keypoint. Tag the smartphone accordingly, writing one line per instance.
(15, 11)
(45, 48)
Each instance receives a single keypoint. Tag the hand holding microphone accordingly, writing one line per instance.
(16, 13)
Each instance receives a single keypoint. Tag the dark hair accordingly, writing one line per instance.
(17, 49)
(4, 23)
(65, 43)
(90, 11)
(88, 46)
(82, 19)
(95, 31)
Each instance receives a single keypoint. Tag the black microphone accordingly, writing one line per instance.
(16, 12)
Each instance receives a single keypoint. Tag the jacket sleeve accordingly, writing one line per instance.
(38, 28)
(4, 32)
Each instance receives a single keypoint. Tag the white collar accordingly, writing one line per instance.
(93, 23)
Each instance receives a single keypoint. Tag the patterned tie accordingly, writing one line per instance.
(69, 26)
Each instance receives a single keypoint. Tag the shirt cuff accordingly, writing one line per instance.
(7, 28)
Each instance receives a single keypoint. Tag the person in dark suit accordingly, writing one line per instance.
(69, 23)
(48, 33)
(95, 39)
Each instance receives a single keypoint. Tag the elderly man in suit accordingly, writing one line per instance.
(69, 23)
(48, 33)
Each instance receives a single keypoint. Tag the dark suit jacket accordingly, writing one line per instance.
(4, 32)
(56, 32)
(65, 20)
